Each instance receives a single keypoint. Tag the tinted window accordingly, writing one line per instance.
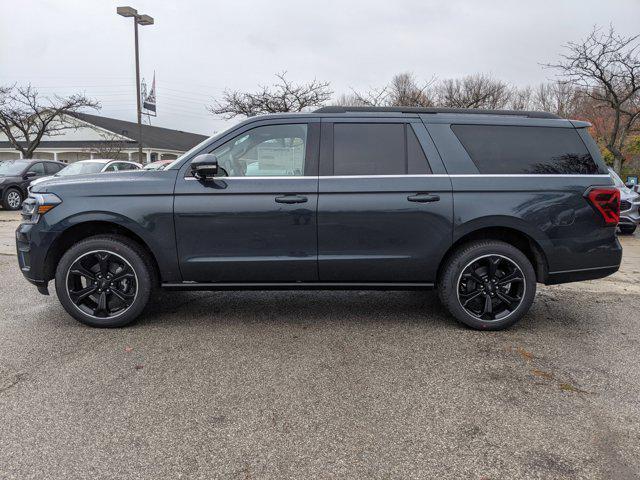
(38, 168)
(528, 150)
(51, 168)
(272, 150)
(369, 149)
(377, 149)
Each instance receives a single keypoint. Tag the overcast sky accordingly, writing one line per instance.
(198, 48)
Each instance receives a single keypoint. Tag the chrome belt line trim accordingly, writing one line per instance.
(455, 175)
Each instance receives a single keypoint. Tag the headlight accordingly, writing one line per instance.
(37, 204)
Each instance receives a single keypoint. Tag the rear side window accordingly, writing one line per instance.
(377, 149)
(51, 168)
(499, 149)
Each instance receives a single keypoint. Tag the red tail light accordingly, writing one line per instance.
(606, 201)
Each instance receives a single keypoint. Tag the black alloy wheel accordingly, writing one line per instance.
(491, 287)
(102, 284)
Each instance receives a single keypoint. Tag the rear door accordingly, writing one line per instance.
(385, 203)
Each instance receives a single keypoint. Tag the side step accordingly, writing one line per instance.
(298, 286)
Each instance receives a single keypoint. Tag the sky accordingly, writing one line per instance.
(197, 48)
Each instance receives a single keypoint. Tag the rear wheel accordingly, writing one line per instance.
(487, 285)
(12, 199)
(627, 229)
(104, 281)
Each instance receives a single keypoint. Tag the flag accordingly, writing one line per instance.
(150, 100)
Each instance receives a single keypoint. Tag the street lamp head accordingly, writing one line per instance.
(127, 11)
(144, 20)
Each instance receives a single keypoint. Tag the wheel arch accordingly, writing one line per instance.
(512, 234)
(90, 228)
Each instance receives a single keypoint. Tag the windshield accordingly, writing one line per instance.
(13, 167)
(80, 168)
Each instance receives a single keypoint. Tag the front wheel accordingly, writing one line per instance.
(104, 281)
(487, 285)
(12, 199)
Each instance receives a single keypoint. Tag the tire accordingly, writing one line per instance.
(92, 266)
(12, 199)
(460, 282)
(627, 229)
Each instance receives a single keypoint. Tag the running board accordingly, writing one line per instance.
(298, 286)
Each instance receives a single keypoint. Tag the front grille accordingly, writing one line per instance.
(625, 205)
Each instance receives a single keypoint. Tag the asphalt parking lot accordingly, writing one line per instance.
(380, 385)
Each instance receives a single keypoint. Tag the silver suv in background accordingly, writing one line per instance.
(629, 205)
(97, 165)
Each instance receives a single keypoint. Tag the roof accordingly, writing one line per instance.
(417, 110)
(152, 137)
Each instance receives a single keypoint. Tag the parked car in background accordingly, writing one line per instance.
(97, 165)
(629, 205)
(159, 165)
(17, 175)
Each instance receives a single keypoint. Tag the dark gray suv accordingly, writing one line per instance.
(479, 204)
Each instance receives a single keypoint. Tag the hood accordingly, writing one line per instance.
(40, 180)
(133, 182)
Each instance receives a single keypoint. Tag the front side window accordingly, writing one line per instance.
(273, 150)
(377, 149)
(498, 149)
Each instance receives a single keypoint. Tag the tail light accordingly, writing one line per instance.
(606, 201)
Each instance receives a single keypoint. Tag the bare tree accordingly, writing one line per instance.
(606, 67)
(111, 146)
(560, 98)
(405, 91)
(473, 91)
(26, 117)
(284, 96)
(521, 98)
(375, 97)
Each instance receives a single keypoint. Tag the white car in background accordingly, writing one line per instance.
(97, 165)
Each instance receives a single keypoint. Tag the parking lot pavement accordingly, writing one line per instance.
(9, 221)
(252, 385)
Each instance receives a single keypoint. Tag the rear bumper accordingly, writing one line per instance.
(567, 276)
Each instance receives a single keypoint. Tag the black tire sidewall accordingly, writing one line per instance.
(122, 247)
(5, 196)
(627, 230)
(448, 285)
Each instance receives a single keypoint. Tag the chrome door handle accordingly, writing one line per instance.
(291, 199)
(423, 198)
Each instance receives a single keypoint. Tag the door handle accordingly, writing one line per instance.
(423, 198)
(291, 199)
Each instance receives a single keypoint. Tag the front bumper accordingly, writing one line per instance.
(631, 216)
(32, 246)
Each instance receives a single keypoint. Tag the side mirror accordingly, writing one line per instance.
(30, 174)
(204, 166)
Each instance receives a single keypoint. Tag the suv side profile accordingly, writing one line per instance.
(480, 204)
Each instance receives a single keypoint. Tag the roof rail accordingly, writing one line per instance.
(430, 110)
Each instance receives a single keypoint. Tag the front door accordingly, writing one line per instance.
(256, 222)
(384, 209)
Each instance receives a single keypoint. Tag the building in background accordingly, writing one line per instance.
(94, 136)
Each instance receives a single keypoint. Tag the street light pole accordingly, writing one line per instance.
(138, 19)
